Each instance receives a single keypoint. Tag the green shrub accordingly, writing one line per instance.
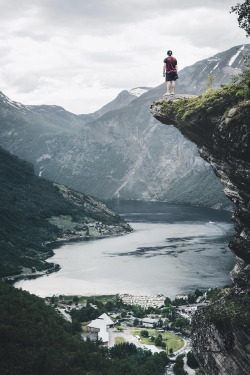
(191, 361)
(144, 333)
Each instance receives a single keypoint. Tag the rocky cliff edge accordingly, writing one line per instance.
(218, 122)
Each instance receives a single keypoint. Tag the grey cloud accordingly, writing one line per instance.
(120, 10)
(27, 84)
(36, 35)
(5, 54)
(98, 15)
(13, 9)
(107, 58)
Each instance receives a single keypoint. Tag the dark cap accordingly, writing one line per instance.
(169, 53)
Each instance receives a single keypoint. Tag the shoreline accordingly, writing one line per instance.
(57, 283)
(12, 279)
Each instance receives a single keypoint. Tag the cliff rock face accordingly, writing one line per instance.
(218, 123)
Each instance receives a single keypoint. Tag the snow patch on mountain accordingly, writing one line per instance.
(10, 102)
(216, 66)
(16, 105)
(233, 58)
(43, 157)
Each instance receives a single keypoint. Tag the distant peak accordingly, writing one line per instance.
(138, 91)
(8, 102)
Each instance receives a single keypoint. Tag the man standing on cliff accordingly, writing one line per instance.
(170, 70)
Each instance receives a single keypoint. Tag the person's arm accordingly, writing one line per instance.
(176, 66)
(164, 70)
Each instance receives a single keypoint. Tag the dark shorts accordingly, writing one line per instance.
(171, 76)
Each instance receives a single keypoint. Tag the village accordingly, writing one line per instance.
(143, 301)
(104, 228)
(149, 322)
(88, 230)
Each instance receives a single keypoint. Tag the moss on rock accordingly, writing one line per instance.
(212, 102)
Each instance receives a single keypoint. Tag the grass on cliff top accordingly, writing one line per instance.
(212, 102)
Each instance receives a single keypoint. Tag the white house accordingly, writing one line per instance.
(100, 326)
(190, 309)
(180, 296)
(148, 323)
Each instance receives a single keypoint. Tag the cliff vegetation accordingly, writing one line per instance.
(188, 111)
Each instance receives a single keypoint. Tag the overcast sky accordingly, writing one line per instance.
(81, 53)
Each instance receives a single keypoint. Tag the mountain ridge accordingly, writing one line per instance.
(124, 98)
(123, 153)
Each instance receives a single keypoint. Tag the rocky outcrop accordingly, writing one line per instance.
(220, 349)
(218, 123)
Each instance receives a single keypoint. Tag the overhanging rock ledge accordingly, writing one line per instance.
(218, 122)
(220, 127)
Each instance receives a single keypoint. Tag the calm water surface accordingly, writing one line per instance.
(173, 249)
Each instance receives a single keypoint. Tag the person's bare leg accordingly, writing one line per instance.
(173, 87)
(168, 87)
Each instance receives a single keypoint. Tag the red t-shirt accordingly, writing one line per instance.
(171, 63)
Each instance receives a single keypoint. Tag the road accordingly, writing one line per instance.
(186, 348)
(128, 336)
(65, 315)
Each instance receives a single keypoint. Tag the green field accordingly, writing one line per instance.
(172, 341)
(83, 299)
(119, 340)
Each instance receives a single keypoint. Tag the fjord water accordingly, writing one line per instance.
(174, 249)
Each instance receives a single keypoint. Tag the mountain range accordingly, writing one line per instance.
(121, 151)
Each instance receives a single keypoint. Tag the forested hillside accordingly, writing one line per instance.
(35, 211)
(35, 340)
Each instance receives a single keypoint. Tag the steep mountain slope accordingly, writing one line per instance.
(222, 65)
(124, 98)
(218, 123)
(124, 153)
(35, 211)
